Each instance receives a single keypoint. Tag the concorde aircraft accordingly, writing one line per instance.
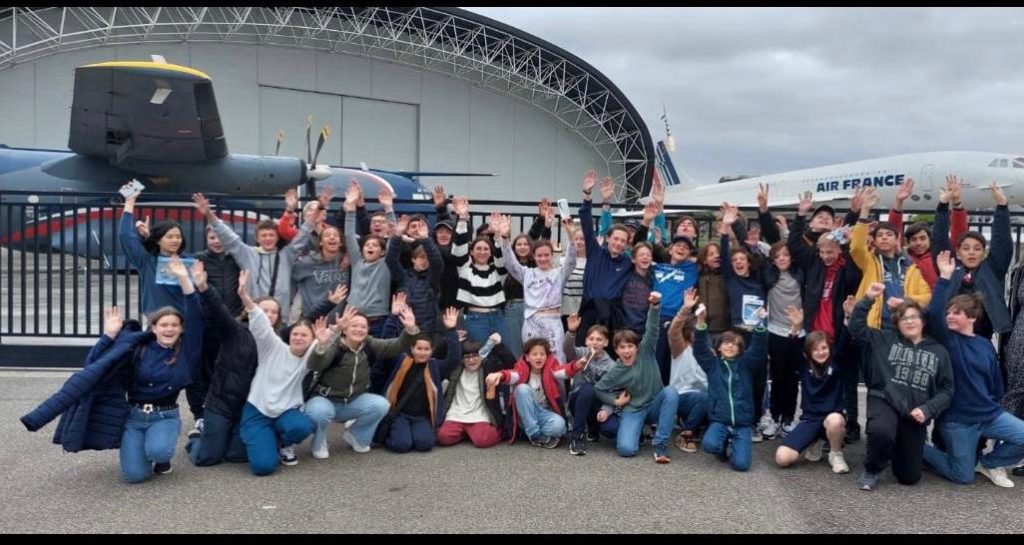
(835, 184)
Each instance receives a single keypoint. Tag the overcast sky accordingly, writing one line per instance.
(763, 90)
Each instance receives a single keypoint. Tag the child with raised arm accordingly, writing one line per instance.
(270, 267)
(910, 382)
(471, 411)
(370, 289)
(648, 400)
(414, 388)
(730, 389)
(821, 404)
(542, 286)
(978, 271)
(165, 240)
(481, 276)
(975, 411)
(583, 401)
(689, 380)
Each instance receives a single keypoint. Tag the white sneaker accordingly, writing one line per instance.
(763, 422)
(321, 453)
(813, 452)
(789, 427)
(288, 457)
(354, 443)
(756, 436)
(197, 430)
(770, 430)
(838, 462)
(996, 474)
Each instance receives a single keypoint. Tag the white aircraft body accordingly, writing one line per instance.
(835, 184)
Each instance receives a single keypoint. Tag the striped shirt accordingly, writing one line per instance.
(572, 294)
(479, 286)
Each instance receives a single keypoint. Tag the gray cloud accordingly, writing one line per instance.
(761, 90)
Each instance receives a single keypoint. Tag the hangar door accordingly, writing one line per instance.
(382, 134)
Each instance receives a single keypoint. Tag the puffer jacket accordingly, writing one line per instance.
(349, 376)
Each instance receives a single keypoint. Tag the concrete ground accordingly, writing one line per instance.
(516, 488)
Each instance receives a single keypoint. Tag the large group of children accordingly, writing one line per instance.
(412, 335)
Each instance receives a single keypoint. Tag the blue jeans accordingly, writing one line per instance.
(581, 400)
(514, 323)
(410, 432)
(535, 420)
(148, 439)
(957, 463)
(480, 325)
(693, 410)
(221, 440)
(264, 435)
(716, 436)
(366, 409)
(661, 410)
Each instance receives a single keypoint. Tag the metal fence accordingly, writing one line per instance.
(62, 263)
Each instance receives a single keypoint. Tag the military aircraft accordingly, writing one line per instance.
(158, 123)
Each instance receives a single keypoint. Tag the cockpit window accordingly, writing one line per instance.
(994, 163)
(1003, 163)
(1018, 162)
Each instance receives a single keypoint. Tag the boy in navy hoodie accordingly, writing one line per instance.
(730, 388)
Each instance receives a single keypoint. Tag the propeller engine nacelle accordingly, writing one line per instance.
(235, 174)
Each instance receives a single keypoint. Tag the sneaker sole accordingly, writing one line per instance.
(290, 463)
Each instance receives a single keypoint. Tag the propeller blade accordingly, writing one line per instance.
(325, 133)
(280, 140)
(309, 146)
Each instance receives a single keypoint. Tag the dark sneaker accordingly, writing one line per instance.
(577, 445)
(1018, 471)
(593, 436)
(661, 454)
(544, 441)
(868, 481)
(686, 441)
(852, 436)
(288, 457)
(162, 469)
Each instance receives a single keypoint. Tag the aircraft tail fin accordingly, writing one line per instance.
(663, 162)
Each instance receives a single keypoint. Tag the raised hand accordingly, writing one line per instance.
(848, 305)
(569, 226)
(875, 290)
(112, 322)
(650, 211)
(589, 181)
(871, 198)
(353, 193)
(998, 195)
(495, 337)
(342, 320)
(806, 203)
(386, 198)
(796, 317)
(494, 379)
(403, 224)
(607, 189)
(857, 201)
(461, 206)
(398, 302)
(762, 197)
(658, 191)
(893, 302)
(243, 286)
(291, 200)
(338, 295)
(904, 193)
(176, 267)
(321, 331)
(408, 319)
(199, 276)
(439, 195)
(573, 321)
(142, 227)
(543, 207)
(654, 298)
(690, 299)
(782, 222)
(326, 194)
(729, 214)
(202, 204)
(451, 317)
(945, 263)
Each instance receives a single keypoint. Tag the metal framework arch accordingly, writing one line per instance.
(450, 41)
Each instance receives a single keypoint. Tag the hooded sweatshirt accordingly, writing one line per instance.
(904, 375)
(643, 378)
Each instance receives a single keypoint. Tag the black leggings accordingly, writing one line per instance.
(895, 437)
(786, 357)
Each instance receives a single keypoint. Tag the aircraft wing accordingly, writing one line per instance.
(149, 111)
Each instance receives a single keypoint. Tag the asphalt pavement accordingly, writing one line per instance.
(461, 489)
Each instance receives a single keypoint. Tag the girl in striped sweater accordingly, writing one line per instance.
(481, 277)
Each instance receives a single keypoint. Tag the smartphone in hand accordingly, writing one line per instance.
(563, 208)
(131, 189)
